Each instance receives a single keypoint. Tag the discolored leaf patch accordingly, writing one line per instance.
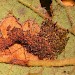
(41, 43)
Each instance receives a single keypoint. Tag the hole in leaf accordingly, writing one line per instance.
(46, 4)
(68, 2)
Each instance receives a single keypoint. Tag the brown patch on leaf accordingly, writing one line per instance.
(22, 43)
(16, 54)
(9, 51)
(8, 23)
(56, 36)
(31, 26)
(68, 2)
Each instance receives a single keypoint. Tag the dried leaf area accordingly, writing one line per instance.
(22, 43)
(56, 36)
(11, 48)
(68, 2)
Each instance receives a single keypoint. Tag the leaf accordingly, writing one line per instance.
(13, 6)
